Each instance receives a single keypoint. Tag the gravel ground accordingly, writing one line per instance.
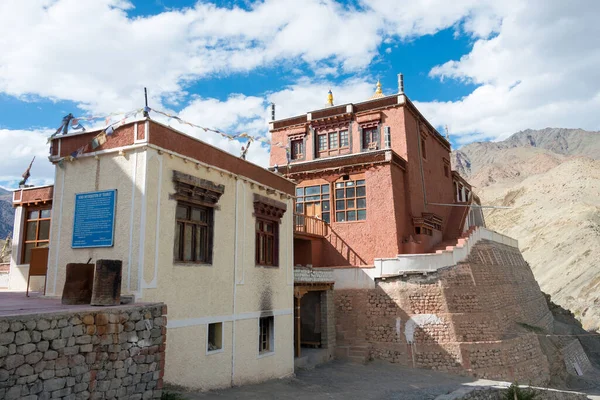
(340, 380)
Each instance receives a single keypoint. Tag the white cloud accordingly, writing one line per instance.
(17, 148)
(540, 70)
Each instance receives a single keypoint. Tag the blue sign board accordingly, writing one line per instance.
(94, 221)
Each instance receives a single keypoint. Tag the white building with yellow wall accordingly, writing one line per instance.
(206, 232)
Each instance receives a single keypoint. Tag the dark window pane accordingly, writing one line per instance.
(178, 237)
(45, 213)
(350, 183)
(340, 216)
(299, 191)
(361, 203)
(325, 196)
(326, 217)
(300, 208)
(198, 215)
(313, 198)
(351, 215)
(313, 190)
(362, 215)
(360, 182)
(33, 214)
(326, 205)
(349, 204)
(31, 230)
(44, 230)
(300, 199)
(350, 192)
(339, 193)
(181, 212)
(361, 191)
(324, 188)
(27, 255)
(188, 243)
(339, 184)
(339, 205)
(269, 227)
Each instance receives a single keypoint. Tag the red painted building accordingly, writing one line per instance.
(373, 180)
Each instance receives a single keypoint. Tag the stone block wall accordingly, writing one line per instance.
(473, 318)
(573, 355)
(100, 353)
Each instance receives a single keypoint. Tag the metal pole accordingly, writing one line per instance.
(146, 100)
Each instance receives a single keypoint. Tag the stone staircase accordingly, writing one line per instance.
(449, 245)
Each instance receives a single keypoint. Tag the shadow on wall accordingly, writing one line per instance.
(337, 252)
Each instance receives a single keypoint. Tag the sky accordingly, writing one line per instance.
(483, 68)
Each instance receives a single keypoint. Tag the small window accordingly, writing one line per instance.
(265, 335)
(333, 140)
(322, 142)
(423, 149)
(344, 140)
(193, 234)
(446, 171)
(215, 337)
(370, 139)
(267, 243)
(297, 149)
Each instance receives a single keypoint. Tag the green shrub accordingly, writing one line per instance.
(514, 392)
(171, 396)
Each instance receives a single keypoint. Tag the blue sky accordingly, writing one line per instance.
(485, 68)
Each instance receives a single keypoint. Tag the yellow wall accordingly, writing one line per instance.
(198, 294)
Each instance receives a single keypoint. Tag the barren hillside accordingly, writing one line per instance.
(556, 214)
(7, 213)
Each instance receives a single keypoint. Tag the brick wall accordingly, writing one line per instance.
(468, 318)
(113, 353)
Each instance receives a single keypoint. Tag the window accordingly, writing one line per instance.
(322, 142)
(37, 231)
(313, 201)
(350, 201)
(446, 171)
(370, 138)
(193, 234)
(266, 242)
(423, 149)
(333, 140)
(215, 337)
(297, 149)
(265, 335)
(344, 139)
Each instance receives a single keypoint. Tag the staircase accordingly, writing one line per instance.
(450, 244)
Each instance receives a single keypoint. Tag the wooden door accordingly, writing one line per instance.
(313, 210)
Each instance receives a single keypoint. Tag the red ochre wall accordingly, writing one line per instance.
(469, 318)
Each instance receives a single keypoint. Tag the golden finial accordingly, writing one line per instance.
(330, 98)
(378, 91)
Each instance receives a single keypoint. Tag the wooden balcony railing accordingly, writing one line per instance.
(306, 225)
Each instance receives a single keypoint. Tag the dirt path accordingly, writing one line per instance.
(339, 380)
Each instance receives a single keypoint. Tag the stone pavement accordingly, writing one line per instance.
(347, 381)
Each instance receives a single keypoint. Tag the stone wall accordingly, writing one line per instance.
(475, 318)
(575, 357)
(499, 394)
(100, 353)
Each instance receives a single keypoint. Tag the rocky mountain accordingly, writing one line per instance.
(7, 213)
(551, 179)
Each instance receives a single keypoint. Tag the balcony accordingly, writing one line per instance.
(309, 226)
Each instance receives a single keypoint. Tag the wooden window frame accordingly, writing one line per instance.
(197, 226)
(295, 145)
(324, 198)
(333, 137)
(270, 211)
(266, 335)
(37, 241)
(267, 256)
(369, 137)
(350, 202)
